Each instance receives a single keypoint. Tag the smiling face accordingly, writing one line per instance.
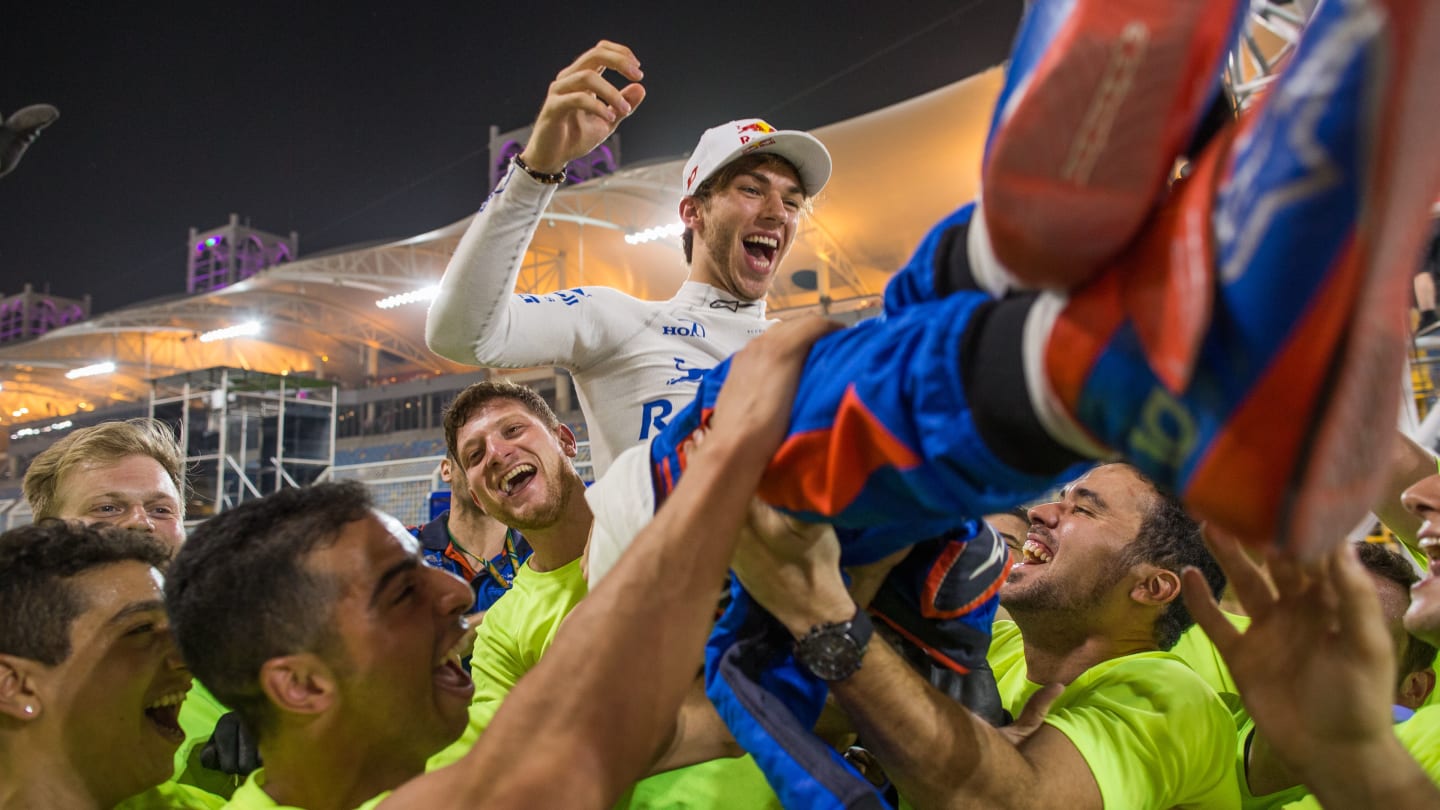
(744, 229)
(134, 492)
(1074, 552)
(518, 468)
(114, 702)
(1423, 617)
(398, 623)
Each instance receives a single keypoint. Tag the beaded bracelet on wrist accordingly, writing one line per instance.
(546, 178)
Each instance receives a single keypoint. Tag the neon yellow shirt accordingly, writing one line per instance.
(1421, 737)
(518, 630)
(172, 796)
(1265, 801)
(1153, 733)
(252, 796)
(1198, 651)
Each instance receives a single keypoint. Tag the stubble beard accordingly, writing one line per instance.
(547, 514)
(1052, 595)
(720, 241)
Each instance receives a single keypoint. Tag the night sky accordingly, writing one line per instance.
(363, 121)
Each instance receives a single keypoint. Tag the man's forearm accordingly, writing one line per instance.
(622, 662)
(700, 735)
(929, 745)
(476, 290)
(1378, 773)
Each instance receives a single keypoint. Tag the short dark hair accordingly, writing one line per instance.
(722, 177)
(480, 394)
(239, 593)
(1170, 539)
(37, 600)
(1379, 560)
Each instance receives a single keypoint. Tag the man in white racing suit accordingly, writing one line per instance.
(635, 363)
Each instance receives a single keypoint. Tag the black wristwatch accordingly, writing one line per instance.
(833, 652)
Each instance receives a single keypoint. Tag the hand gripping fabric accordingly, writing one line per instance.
(947, 589)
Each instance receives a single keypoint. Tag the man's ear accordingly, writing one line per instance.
(299, 684)
(19, 697)
(692, 212)
(568, 443)
(1416, 688)
(1156, 586)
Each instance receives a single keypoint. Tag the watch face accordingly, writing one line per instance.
(830, 653)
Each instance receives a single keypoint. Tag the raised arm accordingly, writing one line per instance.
(1317, 673)
(602, 703)
(476, 318)
(936, 751)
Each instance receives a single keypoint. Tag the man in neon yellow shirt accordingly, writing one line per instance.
(515, 455)
(313, 616)
(1095, 600)
(346, 666)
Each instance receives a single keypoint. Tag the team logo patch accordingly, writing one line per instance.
(685, 329)
(688, 374)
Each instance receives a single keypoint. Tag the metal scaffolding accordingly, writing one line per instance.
(246, 433)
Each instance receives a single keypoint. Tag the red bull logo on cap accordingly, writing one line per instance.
(690, 181)
(758, 127)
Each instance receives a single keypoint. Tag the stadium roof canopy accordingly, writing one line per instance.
(897, 171)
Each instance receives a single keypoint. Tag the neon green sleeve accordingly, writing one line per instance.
(172, 796)
(515, 633)
(252, 796)
(1248, 800)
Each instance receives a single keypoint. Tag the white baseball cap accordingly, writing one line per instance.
(722, 144)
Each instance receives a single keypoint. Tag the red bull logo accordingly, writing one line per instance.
(752, 147)
(747, 131)
(690, 181)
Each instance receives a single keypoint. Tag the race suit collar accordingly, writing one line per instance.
(703, 296)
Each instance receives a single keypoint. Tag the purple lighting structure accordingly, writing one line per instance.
(602, 160)
(30, 314)
(233, 253)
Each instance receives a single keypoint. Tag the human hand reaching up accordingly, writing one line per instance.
(582, 108)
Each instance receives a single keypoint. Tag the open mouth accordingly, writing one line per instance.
(451, 676)
(164, 715)
(1430, 547)
(517, 478)
(762, 250)
(1035, 552)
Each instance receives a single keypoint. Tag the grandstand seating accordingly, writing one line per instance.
(400, 451)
